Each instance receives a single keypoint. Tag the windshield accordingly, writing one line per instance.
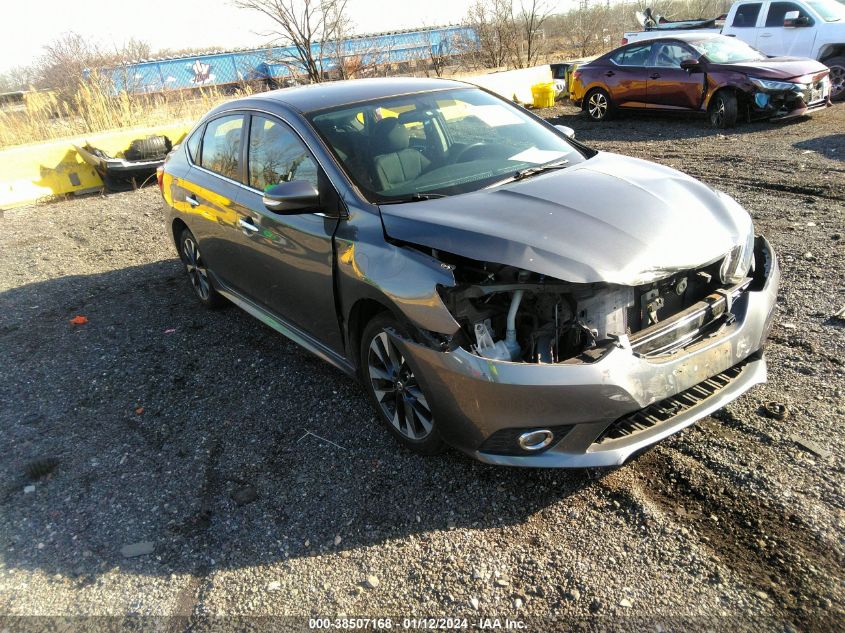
(727, 50)
(437, 143)
(829, 10)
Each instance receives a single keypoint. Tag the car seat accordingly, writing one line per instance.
(394, 162)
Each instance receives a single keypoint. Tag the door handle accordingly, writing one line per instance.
(247, 225)
(191, 200)
(609, 73)
(654, 76)
(765, 34)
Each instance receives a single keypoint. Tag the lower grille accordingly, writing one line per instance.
(670, 407)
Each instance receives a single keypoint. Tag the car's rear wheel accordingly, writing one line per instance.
(394, 389)
(837, 77)
(723, 110)
(189, 252)
(597, 105)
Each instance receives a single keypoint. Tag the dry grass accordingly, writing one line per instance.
(93, 108)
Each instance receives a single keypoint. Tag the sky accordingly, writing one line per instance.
(28, 25)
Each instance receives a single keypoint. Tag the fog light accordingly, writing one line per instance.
(761, 99)
(535, 440)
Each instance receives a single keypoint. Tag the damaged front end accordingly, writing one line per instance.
(520, 316)
(546, 373)
(771, 99)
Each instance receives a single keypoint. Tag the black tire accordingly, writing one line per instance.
(197, 271)
(837, 77)
(598, 105)
(723, 110)
(400, 404)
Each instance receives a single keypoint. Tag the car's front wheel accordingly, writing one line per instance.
(189, 252)
(723, 110)
(394, 388)
(598, 105)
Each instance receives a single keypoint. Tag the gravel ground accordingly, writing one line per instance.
(262, 484)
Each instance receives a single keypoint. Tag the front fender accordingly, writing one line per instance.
(401, 278)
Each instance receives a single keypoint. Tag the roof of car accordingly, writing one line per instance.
(337, 93)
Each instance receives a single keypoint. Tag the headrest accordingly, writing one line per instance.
(390, 136)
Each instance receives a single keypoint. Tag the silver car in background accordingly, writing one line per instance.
(496, 285)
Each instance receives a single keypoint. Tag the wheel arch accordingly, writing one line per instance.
(362, 312)
(592, 88)
(741, 97)
(831, 50)
(176, 229)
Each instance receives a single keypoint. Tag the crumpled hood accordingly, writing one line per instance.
(775, 67)
(608, 219)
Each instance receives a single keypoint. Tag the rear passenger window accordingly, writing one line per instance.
(193, 145)
(746, 15)
(636, 55)
(778, 10)
(276, 154)
(221, 146)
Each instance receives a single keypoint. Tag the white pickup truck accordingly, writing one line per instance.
(797, 28)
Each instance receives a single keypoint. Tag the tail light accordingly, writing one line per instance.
(576, 74)
(624, 40)
(160, 177)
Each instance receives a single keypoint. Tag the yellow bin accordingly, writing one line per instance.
(543, 94)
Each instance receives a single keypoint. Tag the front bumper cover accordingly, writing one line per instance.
(473, 397)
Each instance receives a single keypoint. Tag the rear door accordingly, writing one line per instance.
(625, 75)
(212, 188)
(776, 39)
(670, 86)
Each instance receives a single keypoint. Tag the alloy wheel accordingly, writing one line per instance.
(597, 105)
(837, 81)
(397, 390)
(197, 272)
(719, 113)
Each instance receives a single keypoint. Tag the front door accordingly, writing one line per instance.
(776, 39)
(290, 257)
(670, 86)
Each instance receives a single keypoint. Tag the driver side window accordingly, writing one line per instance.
(276, 155)
(671, 55)
(778, 10)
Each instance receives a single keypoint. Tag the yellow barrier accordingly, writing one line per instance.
(511, 84)
(29, 173)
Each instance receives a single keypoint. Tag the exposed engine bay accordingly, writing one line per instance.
(515, 315)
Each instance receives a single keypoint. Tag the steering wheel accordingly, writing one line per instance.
(461, 157)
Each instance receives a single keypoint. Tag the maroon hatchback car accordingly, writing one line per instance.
(707, 73)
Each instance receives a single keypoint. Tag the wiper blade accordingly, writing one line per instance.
(414, 197)
(531, 171)
(539, 169)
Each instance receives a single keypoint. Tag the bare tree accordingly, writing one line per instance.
(18, 78)
(66, 60)
(531, 18)
(495, 35)
(307, 27)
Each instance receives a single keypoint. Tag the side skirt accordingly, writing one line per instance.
(286, 328)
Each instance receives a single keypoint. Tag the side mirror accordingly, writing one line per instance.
(691, 65)
(793, 19)
(289, 198)
(568, 132)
